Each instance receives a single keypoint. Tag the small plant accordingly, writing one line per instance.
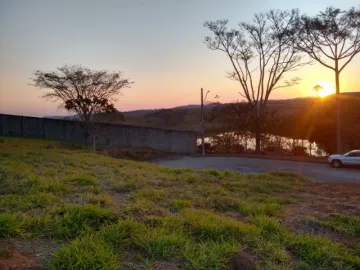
(211, 255)
(15, 202)
(125, 187)
(342, 223)
(70, 221)
(84, 180)
(206, 226)
(161, 243)
(10, 225)
(180, 204)
(99, 199)
(321, 252)
(155, 195)
(88, 252)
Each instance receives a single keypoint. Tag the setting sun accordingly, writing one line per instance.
(323, 88)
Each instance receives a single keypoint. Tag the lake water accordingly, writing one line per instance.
(286, 143)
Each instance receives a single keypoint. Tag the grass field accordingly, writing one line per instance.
(62, 208)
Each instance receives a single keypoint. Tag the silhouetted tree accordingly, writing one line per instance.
(317, 88)
(82, 90)
(86, 92)
(332, 38)
(260, 54)
(233, 119)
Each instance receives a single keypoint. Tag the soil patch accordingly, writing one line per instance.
(322, 199)
(26, 253)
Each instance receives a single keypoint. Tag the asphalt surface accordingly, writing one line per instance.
(315, 171)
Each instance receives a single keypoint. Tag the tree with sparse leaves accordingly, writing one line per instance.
(331, 38)
(260, 54)
(82, 90)
(88, 93)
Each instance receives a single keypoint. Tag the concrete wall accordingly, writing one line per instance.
(106, 134)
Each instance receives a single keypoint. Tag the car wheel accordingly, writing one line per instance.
(336, 163)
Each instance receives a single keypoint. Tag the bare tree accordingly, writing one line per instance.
(260, 54)
(84, 91)
(332, 38)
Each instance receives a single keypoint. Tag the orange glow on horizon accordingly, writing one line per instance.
(327, 88)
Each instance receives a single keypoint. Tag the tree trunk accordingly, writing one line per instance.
(258, 135)
(338, 112)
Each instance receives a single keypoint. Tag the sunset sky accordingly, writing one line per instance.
(157, 43)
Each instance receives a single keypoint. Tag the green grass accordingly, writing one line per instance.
(110, 213)
(10, 225)
(342, 223)
(70, 221)
(88, 252)
(17, 202)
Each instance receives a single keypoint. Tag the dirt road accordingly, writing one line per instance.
(315, 171)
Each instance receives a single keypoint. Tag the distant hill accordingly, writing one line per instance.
(187, 117)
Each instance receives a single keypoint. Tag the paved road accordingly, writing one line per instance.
(315, 171)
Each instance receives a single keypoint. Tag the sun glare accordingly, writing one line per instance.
(323, 88)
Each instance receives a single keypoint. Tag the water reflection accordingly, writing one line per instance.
(231, 142)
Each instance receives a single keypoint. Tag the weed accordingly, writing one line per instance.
(10, 225)
(70, 221)
(84, 180)
(210, 255)
(161, 243)
(143, 207)
(122, 234)
(321, 252)
(16, 202)
(259, 208)
(53, 185)
(125, 187)
(102, 200)
(206, 226)
(345, 224)
(213, 172)
(270, 227)
(179, 204)
(155, 195)
(88, 252)
(190, 177)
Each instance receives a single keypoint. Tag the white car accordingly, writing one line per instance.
(351, 158)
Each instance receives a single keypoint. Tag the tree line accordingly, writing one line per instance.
(313, 120)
